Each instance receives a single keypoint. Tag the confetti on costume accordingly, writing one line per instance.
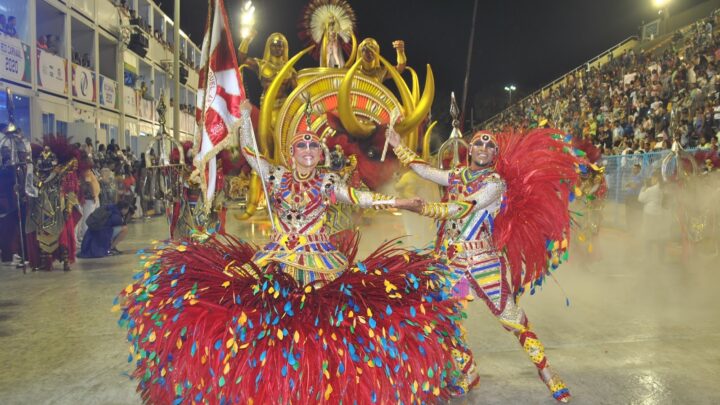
(208, 326)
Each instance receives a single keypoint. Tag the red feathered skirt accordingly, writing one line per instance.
(206, 325)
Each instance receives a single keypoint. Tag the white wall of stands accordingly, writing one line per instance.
(91, 108)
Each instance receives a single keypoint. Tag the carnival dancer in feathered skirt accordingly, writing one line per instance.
(299, 320)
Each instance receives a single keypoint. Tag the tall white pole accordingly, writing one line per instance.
(120, 78)
(176, 70)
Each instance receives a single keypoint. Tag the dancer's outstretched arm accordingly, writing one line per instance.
(248, 146)
(490, 193)
(409, 158)
(368, 199)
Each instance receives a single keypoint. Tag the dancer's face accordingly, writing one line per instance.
(307, 154)
(483, 153)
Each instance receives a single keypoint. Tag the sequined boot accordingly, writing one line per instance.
(536, 351)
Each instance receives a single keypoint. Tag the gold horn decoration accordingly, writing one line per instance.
(411, 121)
(254, 196)
(353, 52)
(414, 137)
(268, 104)
(344, 106)
(426, 141)
(415, 84)
(405, 95)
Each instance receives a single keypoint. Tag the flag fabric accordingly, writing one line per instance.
(220, 92)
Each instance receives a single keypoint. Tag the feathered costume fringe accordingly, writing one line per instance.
(533, 227)
(205, 328)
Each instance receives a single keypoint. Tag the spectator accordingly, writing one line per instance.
(108, 187)
(633, 207)
(113, 147)
(89, 194)
(126, 186)
(655, 217)
(53, 43)
(88, 147)
(42, 43)
(100, 156)
(3, 23)
(10, 26)
(107, 227)
(144, 91)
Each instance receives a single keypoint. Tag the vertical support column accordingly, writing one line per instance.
(176, 70)
(35, 109)
(96, 69)
(120, 78)
(70, 109)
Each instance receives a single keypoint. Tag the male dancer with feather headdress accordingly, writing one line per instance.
(495, 221)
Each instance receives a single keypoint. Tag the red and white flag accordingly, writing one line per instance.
(220, 92)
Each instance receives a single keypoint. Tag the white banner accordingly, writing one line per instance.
(129, 101)
(14, 59)
(108, 92)
(146, 109)
(83, 81)
(52, 72)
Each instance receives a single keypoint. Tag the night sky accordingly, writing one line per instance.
(524, 42)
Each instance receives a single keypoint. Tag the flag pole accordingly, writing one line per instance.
(176, 71)
(264, 186)
(249, 9)
(206, 69)
(467, 66)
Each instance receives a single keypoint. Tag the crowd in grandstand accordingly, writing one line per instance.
(640, 101)
(138, 21)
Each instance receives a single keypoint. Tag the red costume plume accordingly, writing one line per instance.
(59, 145)
(533, 226)
(592, 152)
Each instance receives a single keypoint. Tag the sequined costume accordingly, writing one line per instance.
(13, 175)
(298, 321)
(301, 243)
(52, 215)
(186, 216)
(473, 231)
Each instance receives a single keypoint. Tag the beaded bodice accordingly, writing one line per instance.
(484, 188)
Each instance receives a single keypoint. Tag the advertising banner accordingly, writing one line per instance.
(130, 101)
(14, 59)
(83, 81)
(108, 92)
(52, 72)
